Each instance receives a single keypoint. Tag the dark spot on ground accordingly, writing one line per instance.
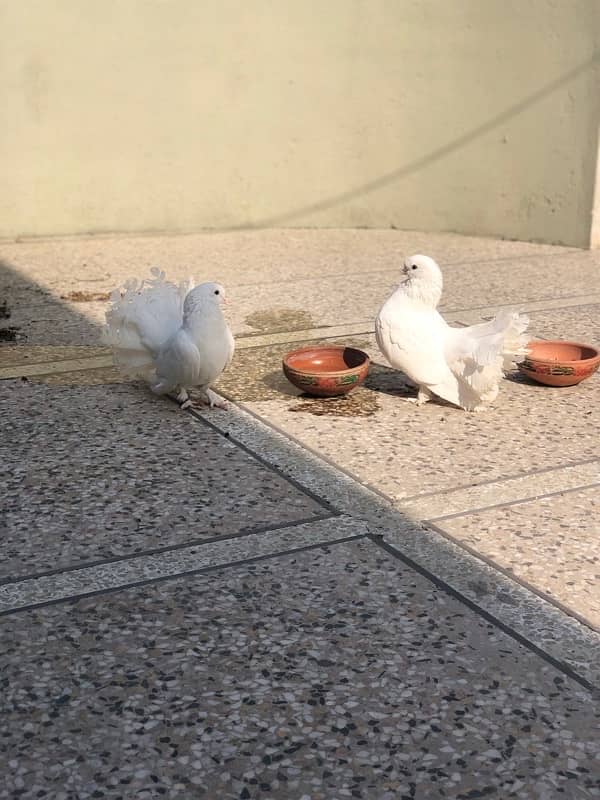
(9, 334)
(86, 297)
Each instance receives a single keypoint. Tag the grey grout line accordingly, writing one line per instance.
(476, 313)
(509, 503)
(321, 457)
(251, 341)
(462, 500)
(564, 251)
(175, 576)
(492, 481)
(325, 503)
(263, 529)
(539, 621)
(398, 269)
(86, 581)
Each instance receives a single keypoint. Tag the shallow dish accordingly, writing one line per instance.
(559, 363)
(326, 371)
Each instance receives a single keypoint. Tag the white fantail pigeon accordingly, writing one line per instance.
(173, 337)
(461, 365)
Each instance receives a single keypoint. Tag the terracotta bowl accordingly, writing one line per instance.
(326, 371)
(558, 363)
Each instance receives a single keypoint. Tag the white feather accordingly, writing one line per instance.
(462, 365)
(173, 337)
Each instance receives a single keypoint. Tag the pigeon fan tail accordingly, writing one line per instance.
(515, 337)
(484, 353)
(140, 319)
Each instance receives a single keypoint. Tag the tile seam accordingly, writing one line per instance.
(327, 505)
(170, 549)
(509, 503)
(179, 575)
(518, 476)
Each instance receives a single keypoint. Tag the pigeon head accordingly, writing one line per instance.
(424, 280)
(204, 296)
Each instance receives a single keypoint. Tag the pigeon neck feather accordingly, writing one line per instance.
(198, 313)
(429, 293)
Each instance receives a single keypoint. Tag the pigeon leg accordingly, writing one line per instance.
(183, 399)
(210, 398)
(423, 396)
(214, 401)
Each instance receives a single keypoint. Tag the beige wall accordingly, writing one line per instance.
(479, 116)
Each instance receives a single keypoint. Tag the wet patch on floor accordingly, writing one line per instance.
(11, 334)
(280, 319)
(256, 373)
(86, 297)
(359, 403)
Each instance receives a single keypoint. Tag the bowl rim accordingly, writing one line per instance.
(530, 357)
(329, 373)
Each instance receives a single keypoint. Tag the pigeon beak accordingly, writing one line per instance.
(405, 269)
(225, 300)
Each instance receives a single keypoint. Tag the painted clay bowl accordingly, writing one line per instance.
(558, 363)
(326, 371)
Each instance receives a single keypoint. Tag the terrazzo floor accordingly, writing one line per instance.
(294, 599)
(337, 672)
(91, 475)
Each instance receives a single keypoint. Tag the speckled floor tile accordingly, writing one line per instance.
(481, 495)
(520, 279)
(245, 257)
(327, 674)
(138, 569)
(537, 620)
(56, 324)
(551, 544)
(273, 275)
(26, 356)
(579, 324)
(405, 451)
(94, 472)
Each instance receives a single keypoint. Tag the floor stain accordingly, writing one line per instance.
(359, 403)
(86, 297)
(256, 376)
(11, 334)
(4, 310)
(280, 319)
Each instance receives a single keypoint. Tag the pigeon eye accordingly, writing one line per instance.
(414, 266)
(217, 291)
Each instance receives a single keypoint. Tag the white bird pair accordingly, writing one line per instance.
(176, 338)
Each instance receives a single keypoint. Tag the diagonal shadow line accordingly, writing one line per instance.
(424, 161)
